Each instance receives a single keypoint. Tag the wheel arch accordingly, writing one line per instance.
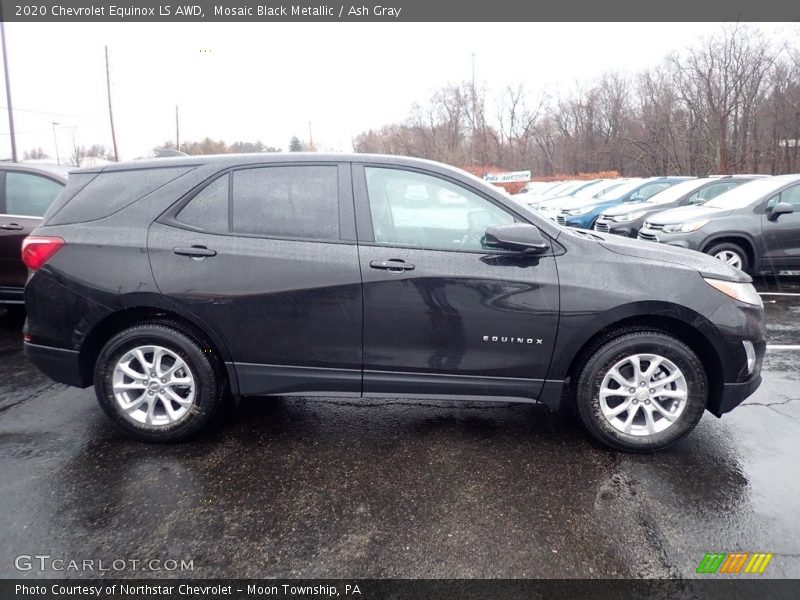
(686, 325)
(741, 239)
(117, 321)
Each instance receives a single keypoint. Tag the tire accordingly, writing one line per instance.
(684, 398)
(731, 253)
(183, 401)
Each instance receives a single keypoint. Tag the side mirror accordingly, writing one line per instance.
(781, 208)
(520, 237)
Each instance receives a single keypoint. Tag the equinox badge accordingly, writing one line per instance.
(509, 340)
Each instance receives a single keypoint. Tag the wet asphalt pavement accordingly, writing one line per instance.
(287, 487)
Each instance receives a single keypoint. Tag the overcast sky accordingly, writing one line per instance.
(267, 81)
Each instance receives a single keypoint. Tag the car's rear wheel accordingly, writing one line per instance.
(641, 391)
(157, 383)
(730, 253)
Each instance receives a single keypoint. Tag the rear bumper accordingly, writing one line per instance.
(12, 295)
(58, 364)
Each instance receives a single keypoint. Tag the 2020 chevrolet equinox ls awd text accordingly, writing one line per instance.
(169, 284)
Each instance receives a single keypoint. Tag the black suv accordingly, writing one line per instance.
(754, 227)
(169, 283)
(626, 219)
(26, 192)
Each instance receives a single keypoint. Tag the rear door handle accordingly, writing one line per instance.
(394, 264)
(12, 227)
(194, 252)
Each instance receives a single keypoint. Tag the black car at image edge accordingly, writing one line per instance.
(26, 192)
(170, 284)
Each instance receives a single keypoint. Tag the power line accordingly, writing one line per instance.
(44, 112)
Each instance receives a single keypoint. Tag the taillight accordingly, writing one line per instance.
(37, 250)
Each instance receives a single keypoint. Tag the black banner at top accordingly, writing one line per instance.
(143, 11)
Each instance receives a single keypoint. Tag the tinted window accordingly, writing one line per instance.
(29, 195)
(411, 209)
(112, 191)
(296, 202)
(208, 210)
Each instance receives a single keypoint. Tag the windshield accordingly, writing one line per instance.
(621, 190)
(597, 188)
(678, 191)
(747, 193)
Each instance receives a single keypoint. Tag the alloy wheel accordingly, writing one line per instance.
(153, 385)
(643, 394)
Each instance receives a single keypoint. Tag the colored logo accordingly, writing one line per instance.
(735, 562)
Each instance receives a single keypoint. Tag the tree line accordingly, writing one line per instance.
(729, 104)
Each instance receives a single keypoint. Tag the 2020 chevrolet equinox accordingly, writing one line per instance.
(168, 284)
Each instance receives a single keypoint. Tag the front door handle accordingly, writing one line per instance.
(12, 227)
(393, 264)
(195, 252)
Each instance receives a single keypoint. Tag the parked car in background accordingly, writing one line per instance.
(26, 192)
(297, 273)
(627, 219)
(562, 187)
(550, 207)
(582, 213)
(538, 187)
(754, 227)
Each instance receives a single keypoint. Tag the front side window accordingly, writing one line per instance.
(422, 211)
(295, 202)
(29, 195)
(790, 195)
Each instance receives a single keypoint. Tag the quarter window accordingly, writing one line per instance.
(295, 202)
(208, 210)
(29, 195)
(412, 209)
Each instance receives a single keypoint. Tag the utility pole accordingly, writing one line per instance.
(310, 138)
(55, 141)
(472, 139)
(110, 112)
(8, 91)
(177, 130)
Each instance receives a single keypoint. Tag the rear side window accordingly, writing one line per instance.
(294, 202)
(208, 209)
(112, 191)
(29, 195)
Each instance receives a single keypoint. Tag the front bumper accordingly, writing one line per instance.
(58, 364)
(690, 241)
(733, 394)
(578, 222)
(624, 229)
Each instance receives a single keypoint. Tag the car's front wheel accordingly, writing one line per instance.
(641, 391)
(157, 383)
(730, 253)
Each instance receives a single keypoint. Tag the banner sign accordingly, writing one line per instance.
(509, 177)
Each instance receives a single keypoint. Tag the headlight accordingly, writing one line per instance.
(580, 211)
(743, 292)
(687, 227)
(630, 216)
